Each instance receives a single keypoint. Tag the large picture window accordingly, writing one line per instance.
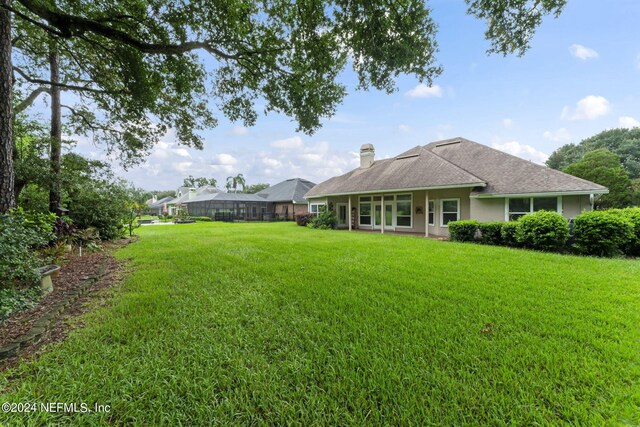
(403, 210)
(365, 210)
(520, 206)
(449, 211)
(316, 208)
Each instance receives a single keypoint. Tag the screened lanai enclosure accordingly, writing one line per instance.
(231, 207)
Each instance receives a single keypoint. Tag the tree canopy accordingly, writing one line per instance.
(199, 182)
(604, 167)
(623, 142)
(151, 65)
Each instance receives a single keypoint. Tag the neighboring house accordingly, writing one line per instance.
(281, 201)
(184, 194)
(423, 189)
(288, 197)
(156, 207)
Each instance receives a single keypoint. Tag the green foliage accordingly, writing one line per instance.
(201, 218)
(633, 216)
(602, 233)
(491, 233)
(463, 231)
(512, 23)
(623, 142)
(198, 182)
(21, 235)
(604, 168)
(105, 206)
(254, 188)
(509, 232)
(13, 299)
(325, 220)
(543, 230)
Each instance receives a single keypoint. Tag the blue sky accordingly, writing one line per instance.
(579, 77)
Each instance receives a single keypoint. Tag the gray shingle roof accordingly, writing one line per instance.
(507, 174)
(415, 168)
(287, 191)
(226, 197)
(455, 162)
(160, 202)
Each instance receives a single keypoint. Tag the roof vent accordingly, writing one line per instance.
(455, 141)
(408, 156)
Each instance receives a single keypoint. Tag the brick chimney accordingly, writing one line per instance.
(367, 154)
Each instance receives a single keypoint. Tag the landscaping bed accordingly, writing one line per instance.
(78, 277)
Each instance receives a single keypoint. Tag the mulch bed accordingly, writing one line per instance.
(75, 270)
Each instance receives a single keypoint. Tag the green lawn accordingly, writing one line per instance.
(273, 324)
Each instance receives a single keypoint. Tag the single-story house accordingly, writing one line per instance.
(426, 187)
(288, 197)
(279, 202)
(156, 207)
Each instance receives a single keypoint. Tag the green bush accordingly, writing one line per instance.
(633, 216)
(543, 231)
(491, 233)
(104, 206)
(21, 235)
(508, 234)
(602, 233)
(201, 218)
(14, 299)
(325, 220)
(303, 219)
(463, 231)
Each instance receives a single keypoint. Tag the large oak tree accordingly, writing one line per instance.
(175, 62)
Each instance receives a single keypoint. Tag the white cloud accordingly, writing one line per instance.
(628, 122)
(588, 108)
(524, 151)
(560, 135)
(507, 122)
(404, 128)
(583, 52)
(224, 159)
(239, 131)
(424, 91)
(182, 167)
(288, 143)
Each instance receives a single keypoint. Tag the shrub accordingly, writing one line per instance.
(463, 231)
(601, 233)
(13, 299)
(325, 220)
(104, 206)
(543, 230)
(491, 233)
(303, 219)
(633, 216)
(201, 218)
(21, 234)
(508, 234)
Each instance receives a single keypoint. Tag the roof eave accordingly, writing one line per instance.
(543, 194)
(396, 190)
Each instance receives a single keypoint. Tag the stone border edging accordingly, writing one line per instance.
(43, 325)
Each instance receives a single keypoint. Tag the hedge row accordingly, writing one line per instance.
(603, 233)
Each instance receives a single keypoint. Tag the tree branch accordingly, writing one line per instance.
(29, 99)
(68, 26)
(60, 85)
(33, 21)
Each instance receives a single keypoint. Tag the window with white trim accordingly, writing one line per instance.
(365, 210)
(449, 211)
(316, 208)
(432, 212)
(520, 206)
(404, 206)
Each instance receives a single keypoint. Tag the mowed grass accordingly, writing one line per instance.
(274, 324)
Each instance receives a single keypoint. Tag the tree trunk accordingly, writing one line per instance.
(56, 133)
(7, 195)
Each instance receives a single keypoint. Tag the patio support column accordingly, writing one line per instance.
(382, 209)
(426, 213)
(349, 213)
